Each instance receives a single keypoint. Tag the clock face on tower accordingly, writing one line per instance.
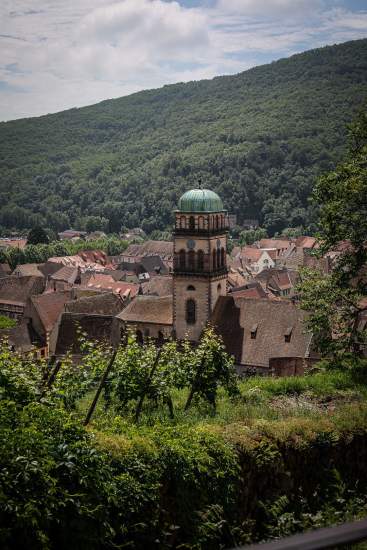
(191, 244)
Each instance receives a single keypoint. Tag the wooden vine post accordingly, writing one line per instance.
(99, 389)
(146, 387)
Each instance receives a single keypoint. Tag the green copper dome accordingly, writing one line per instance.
(200, 200)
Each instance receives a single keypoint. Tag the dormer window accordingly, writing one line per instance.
(253, 332)
(288, 334)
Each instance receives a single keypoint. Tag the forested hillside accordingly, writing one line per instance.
(258, 138)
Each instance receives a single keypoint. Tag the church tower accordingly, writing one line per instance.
(200, 261)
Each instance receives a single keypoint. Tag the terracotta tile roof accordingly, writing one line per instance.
(24, 270)
(106, 303)
(161, 285)
(153, 264)
(305, 242)
(77, 261)
(66, 274)
(269, 321)
(19, 337)
(19, 289)
(14, 243)
(274, 243)
(249, 290)
(49, 268)
(97, 328)
(249, 254)
(95, 278)
(149, 309)
(164, 249)
(127, 290)
(94, 256)
(236, 279)
(49, 306)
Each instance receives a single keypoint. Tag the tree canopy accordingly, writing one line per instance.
(335, 301)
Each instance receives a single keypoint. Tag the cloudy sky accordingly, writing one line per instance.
(57, 54)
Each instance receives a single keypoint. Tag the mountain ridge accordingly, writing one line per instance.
(259, 138)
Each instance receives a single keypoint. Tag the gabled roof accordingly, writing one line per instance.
(96, 327)
(251, 254)
(49, 306)
(161, 285)
(153, 264)
(252, 289)
(19, 289)
(106, 303)
(127, 290)
(19, 337)
(93, 256)
(31, 270)
(49, 268)
(274, 319)
(305, 242)
(149, 309)
(66, 274)
(164, 249)
(274, 243)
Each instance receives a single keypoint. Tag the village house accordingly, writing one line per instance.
(65, 339)
(135, 252)
(280, 245)
(15, 292)
(259, 331)
(42, 312)
(149, 317)
(279, 281)
(256, 260)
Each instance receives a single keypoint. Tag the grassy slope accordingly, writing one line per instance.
(265, 132)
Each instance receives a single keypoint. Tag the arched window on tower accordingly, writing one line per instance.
(191, 260)
(222, 257)
(183, 222)
(192, 222)
(190, 312)
(182, 259)
(216, 222)
(214, 259)
(201, 222)
(200, 260)
(190, 288)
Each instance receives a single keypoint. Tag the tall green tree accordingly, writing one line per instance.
(335, 301)
(37, 235)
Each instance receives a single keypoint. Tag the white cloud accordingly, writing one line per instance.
(270, 8)
(57, 54)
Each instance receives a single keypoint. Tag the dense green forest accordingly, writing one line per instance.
(259, 138)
